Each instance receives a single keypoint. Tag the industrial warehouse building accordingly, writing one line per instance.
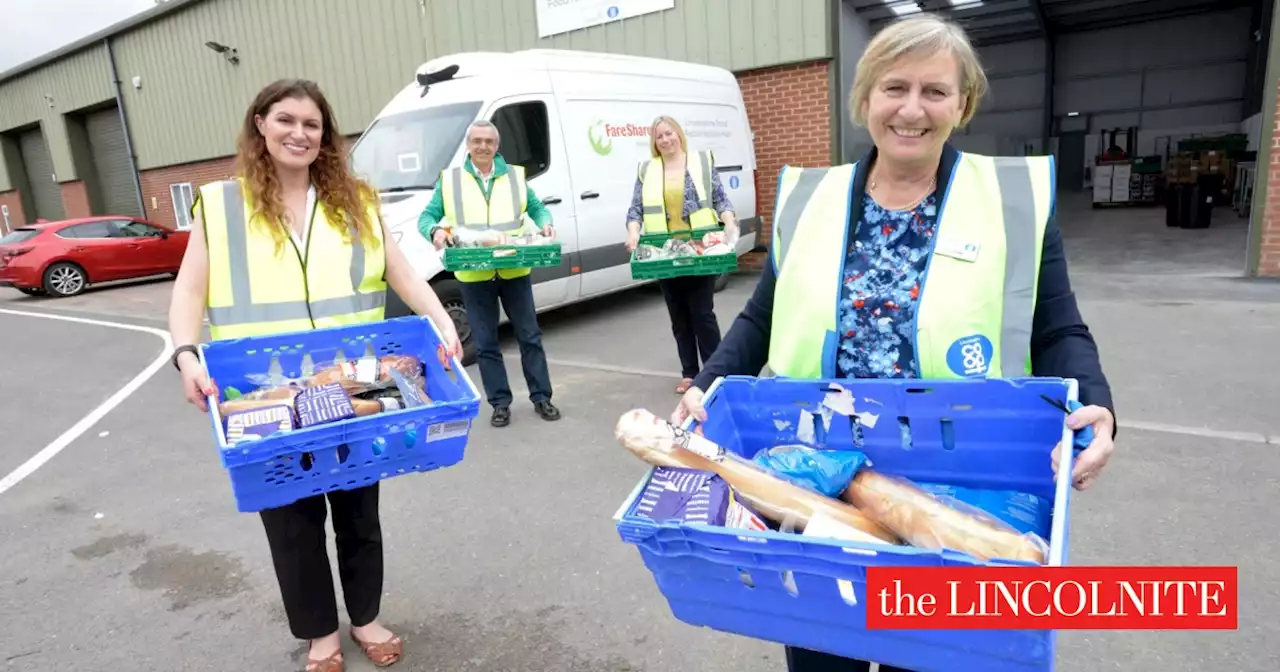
(1132, 96)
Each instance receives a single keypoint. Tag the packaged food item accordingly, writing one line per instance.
(660, 443)
(820, 470)
(740, 516)
(368, 374)
(687, 495)
(322, 404)
(926, 521)
(1022, 511)
(258, 423)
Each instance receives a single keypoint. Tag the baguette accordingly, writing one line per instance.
(660, 443)
(924, 521)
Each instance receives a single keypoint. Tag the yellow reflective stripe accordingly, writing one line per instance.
(459, 204)
(704, 173)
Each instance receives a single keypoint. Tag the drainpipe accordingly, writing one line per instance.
(124, 126)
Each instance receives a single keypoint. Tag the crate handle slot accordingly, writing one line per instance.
(745, 577)
(948, 434)
(904, 427)
(306, 461)
(344, 451)
(789, 582)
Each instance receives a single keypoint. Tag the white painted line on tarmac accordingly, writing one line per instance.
(1205, 432)
(88, 421)
(631, 371)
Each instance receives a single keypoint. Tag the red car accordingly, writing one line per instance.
(62, 258)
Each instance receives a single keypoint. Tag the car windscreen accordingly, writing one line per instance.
(18, 236)
(408, 150)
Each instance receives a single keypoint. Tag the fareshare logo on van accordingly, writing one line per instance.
(601, 135)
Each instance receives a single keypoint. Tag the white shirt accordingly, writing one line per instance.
(301, 240)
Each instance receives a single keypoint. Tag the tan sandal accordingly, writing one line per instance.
(381, 654)
(333, 663)
(684, 386)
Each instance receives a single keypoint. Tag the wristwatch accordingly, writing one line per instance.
(177, 352)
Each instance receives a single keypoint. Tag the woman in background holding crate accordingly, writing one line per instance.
(918, 261)
(295, 242)
(680, 192)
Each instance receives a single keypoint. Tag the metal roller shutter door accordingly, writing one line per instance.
(111, 161)
(45, 192)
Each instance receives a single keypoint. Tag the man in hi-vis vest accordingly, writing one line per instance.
(487, 193)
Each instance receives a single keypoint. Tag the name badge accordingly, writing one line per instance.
(957, 249)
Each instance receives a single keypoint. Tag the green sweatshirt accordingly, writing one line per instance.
(430, 218)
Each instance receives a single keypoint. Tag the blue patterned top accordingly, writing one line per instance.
(878, 298)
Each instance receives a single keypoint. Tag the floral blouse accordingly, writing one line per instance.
(881, 290)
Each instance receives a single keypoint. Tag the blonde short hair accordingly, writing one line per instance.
(918, 35)
(653, 135)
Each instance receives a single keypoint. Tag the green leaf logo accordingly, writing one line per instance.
(602, 146)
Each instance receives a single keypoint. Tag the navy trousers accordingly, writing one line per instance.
(516, 297)
(804, 660)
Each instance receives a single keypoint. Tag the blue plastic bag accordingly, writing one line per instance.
(825, 471)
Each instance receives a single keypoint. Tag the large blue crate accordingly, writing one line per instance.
(811, 592)
(288, 466)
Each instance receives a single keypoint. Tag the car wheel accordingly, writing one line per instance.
(65, 279)
(722, 281)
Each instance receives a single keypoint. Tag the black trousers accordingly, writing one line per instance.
(804, 660)
(691, 303)
(296, 534)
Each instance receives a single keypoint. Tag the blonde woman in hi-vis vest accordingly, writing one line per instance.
(680, 191)
(295, 242)
(918, 261)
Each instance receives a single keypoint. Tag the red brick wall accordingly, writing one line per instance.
(75, 200)
(789, 108)
(16, 216)
(155, 185)
(1269, 253)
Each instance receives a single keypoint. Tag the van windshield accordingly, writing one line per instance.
(408, 150)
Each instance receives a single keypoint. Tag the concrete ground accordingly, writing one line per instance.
(124, 550)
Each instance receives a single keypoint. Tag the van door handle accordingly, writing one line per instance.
(551, 200)
(589, 194)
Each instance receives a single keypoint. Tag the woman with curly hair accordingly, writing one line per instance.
(295, 242)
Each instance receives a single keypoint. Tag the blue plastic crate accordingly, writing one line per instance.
(288, 466)
(811, 592)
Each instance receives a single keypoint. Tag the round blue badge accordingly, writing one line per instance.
(970, 356)
(613, 12)
(733, 181)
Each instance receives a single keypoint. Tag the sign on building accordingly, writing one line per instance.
(562, 16)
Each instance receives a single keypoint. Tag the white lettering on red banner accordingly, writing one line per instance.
(1052, 598)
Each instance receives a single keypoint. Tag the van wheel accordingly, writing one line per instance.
(450, 293)
(722, 281)
(451, 296)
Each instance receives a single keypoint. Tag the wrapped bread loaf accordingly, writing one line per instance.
(923, 520)
(662, 444)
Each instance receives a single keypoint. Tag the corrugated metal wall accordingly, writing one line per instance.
(191, 102)
(76, 81)
(46, 195)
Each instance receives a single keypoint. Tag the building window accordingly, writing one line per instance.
(525, 136)
(183, 199)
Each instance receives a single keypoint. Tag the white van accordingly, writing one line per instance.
(578, 122)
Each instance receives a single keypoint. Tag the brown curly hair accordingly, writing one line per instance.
(343, 194)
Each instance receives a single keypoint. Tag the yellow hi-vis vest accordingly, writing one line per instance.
(699, 164)
(504, 210)
(256, 291)
(978, 292)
